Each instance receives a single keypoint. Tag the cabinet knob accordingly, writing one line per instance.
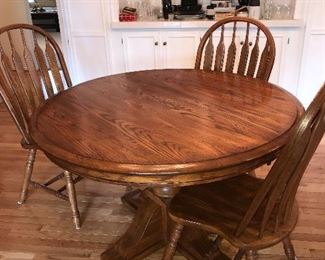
(242, 43)
(156, 43)
(164, 43)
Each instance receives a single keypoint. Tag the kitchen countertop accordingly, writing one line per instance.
(193, 24)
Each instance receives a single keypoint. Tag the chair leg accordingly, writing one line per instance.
(73, 200)
(28, 174)
(289, 249)
(174, 237)
(251, 255)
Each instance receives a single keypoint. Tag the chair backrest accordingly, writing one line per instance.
(274, 200)
(32, 69)
(245, 60)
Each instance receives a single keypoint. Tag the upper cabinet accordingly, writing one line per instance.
(312, 74)
(85, 25)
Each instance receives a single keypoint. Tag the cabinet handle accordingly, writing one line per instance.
(156, 43)
(164, 43)
(242, 43)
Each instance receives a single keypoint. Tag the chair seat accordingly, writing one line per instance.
(218, 207)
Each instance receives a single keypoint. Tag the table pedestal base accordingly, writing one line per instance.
(149, 232)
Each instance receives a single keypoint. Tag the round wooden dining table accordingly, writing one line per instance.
(161, 130)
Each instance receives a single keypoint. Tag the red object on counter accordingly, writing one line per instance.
(127, 17)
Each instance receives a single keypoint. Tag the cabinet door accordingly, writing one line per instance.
(141, 50)
(88, 51)
(280, 40)
(286, 64)
(312, 75)
(286, 68)
(179, 49)
(285, 72)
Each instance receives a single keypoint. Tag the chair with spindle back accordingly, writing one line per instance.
(247, 60)
(248, 212)
(33, 69)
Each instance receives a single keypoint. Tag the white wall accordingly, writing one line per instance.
(14, 11)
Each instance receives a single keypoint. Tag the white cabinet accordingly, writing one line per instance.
(170, 48)
(179, 49)
(84, 27)
(287, 63)
(141, 50)
(312, 74)
(155, 49)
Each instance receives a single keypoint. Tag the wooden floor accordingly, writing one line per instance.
(42, 228)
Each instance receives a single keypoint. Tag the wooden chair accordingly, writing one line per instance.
(252, 213)
(245, 60)
(33, 69)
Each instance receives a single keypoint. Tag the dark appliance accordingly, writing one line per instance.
(189, 7)
(243, 2)
(167, 8)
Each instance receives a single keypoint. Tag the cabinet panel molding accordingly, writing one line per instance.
(86, 16)
(90, 63)
(141, 51)
(179, 49)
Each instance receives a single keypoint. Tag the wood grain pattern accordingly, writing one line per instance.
(208, 55)
(146, 139)
(249, 212)
(54, 66)
(265, 57)
(21, 87)
(220, 52)
(259, 67)
(254, 56)
(41, 229)
(39, 55)
(232, 50)
(36, 85)
(21, 80)
(174, 130)
(244, 54)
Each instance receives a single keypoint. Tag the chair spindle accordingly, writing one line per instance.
(231, 56)
(254, 56)
(52, 60)
(244, 54)
(220, 52)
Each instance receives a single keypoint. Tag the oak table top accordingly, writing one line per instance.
(164, 129)
(141, 126)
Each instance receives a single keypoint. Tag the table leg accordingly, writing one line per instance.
(149, 230)
(133, 199)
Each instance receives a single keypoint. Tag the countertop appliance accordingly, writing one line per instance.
(189, 9)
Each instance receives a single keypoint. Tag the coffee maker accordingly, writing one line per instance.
(189, 7)
(167, 8)
(243, 2)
